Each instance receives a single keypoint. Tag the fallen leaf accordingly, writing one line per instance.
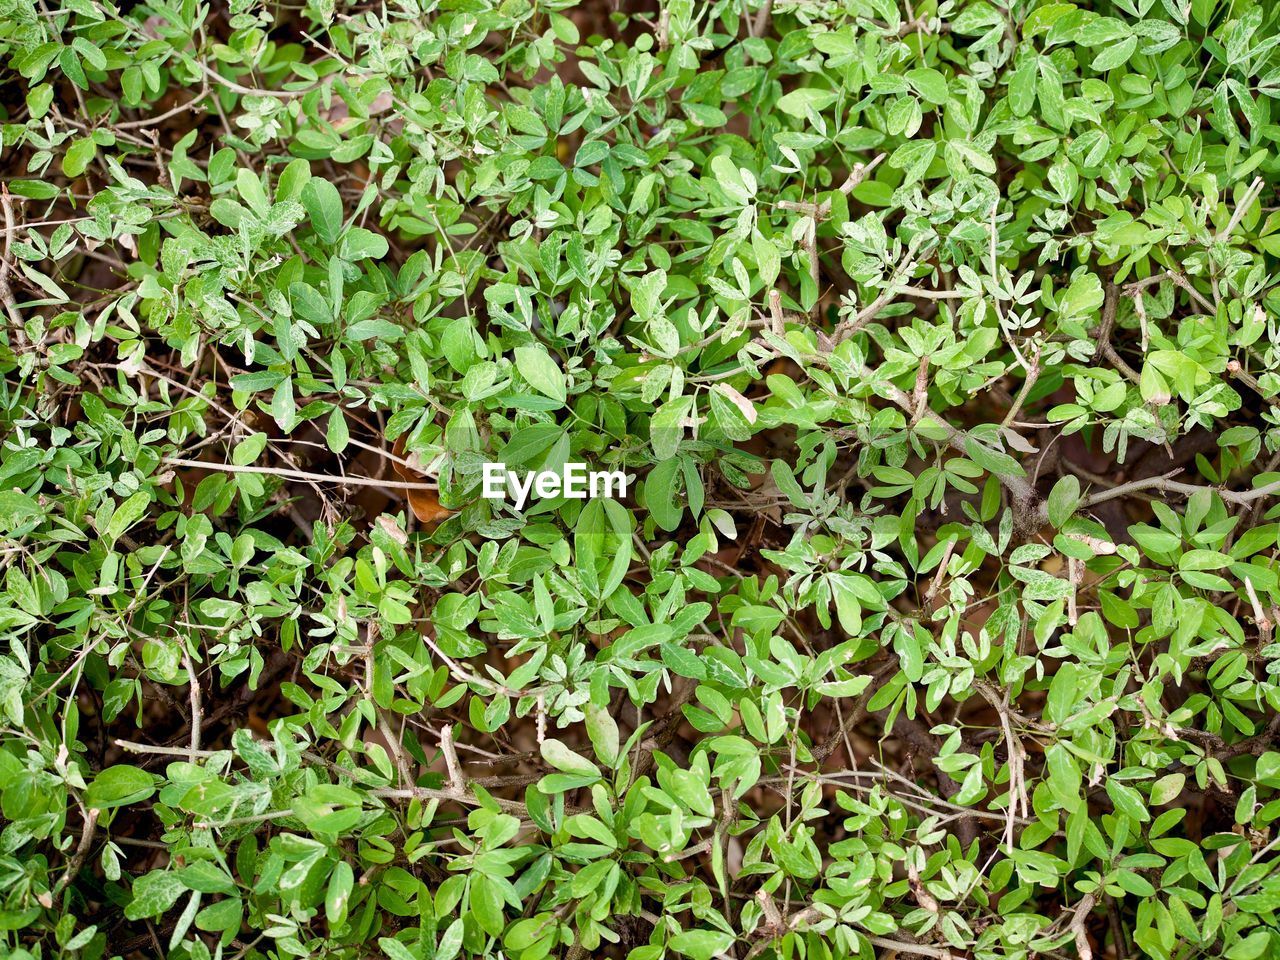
(425, 503)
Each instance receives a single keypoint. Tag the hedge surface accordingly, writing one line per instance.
(936, 341)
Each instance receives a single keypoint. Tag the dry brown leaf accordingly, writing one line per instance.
(425, 503)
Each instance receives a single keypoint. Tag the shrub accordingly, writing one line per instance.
(935, 343)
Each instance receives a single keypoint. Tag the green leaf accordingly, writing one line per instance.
(338, 895)
(250, 189)
(153, 894)
(564, 759)
(768, 260)
(1063, 500)
(993, 461)
(913, 159)
(1064, 779)
(661, 494)
(646, 291)
(119, 786)
(1167, 788)
(486, 905)
(126, 515)
(700, 944)
(801, 102)
(338, 434)
(929, 83)
(1064, 690)
(603, 731)
(323, 204)
(1022, 86)
(787, 484)
(845, 592)
(1114, 54)
(78, 156)
(450, 941)
(17, 509)
(666, 429)
(1127, 800)
(361, 244)
(1268, 769)
(34, 189)
(541, 372)
(223, 916)
(249, 449)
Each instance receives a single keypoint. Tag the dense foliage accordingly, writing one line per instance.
(938, 342)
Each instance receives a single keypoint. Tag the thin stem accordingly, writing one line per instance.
(300, 475)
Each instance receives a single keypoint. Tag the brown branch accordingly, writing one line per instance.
(821, 211)
(761, 22)
(457, 785)
(1166, 484)
(6, 291)
(197, 711)
(847, 328)
(1028, 509)
(775, 926)
(1117, 929)
(1110, 306)
(1076, 926)
(82, 850)
(300, 474)
(1251, 193)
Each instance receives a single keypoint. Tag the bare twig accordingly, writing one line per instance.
(197, 711)
(1248, 379)
(847, 328)
(1018, 800)
(301, 475)
(761, 22)
(1259, 616)
(1033, 374)
(1026, 500)
(1166, 484)
(1119, 945)
(192, 105)
(82, 850)
(1140, 308)
(776, 320)
(253, 92)
(1177, 279)
(1119, 363)
(921, 392)
(162, 751)
(923, 294)
(1110, 306)
(1076, 926)
(6, 291)
(821, 211)
(1247, 199)
(1075, 573)
(457, 785)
